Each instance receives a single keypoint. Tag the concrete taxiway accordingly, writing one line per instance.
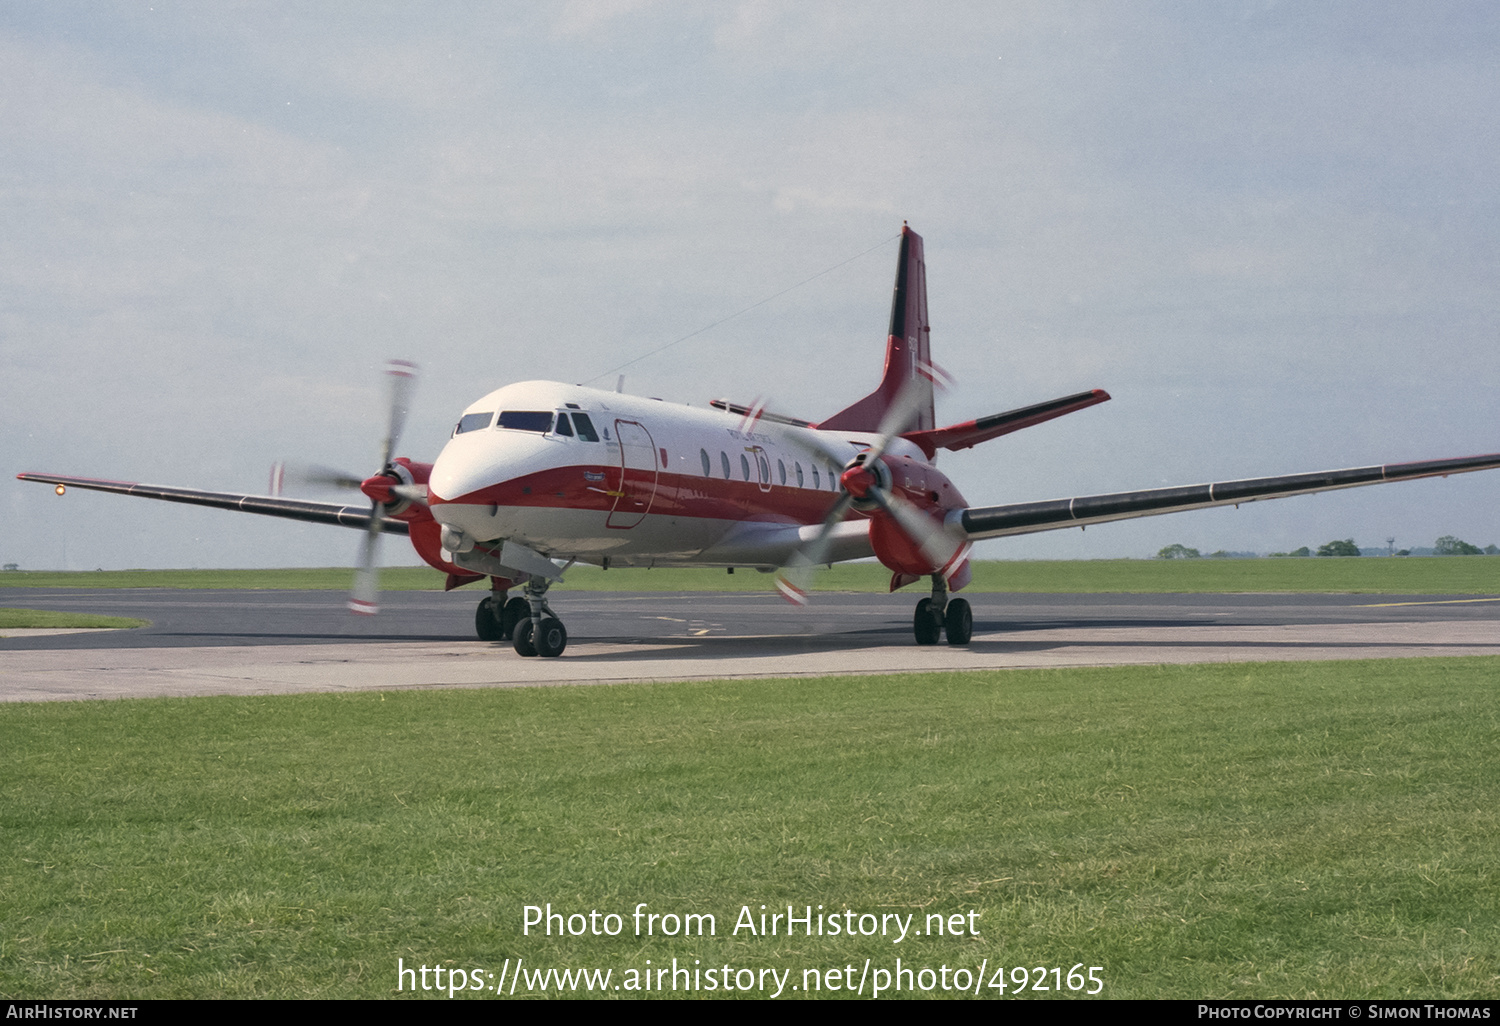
(282, 642)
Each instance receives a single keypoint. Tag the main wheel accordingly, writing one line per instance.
(959, 622)
(552, 639)
(521, 639)
(488, 622)
(927, 627)
(514, 612)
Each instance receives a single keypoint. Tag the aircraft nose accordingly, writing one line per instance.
(461, 481)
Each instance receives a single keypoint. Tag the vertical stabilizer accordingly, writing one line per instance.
(906, 348)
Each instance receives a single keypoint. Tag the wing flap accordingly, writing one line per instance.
(357, 517)
(1050, 515)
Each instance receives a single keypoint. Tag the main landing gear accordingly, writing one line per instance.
(527, 623)
(496, 619)
(940, 614)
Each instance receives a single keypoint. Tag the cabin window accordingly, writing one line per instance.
(798, 467)
(474, 422)
(585, 427)
(817, 483)
(765, 469)
(539, 421)
(724, 460)
(744, 467)
(564, 426)
(833, 478)
(663, 458)
(708, 468)
(781, 469)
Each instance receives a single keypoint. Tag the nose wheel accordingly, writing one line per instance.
(941, 615)
(547, 642)
(537, 631)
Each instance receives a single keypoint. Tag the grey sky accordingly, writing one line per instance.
(1270, 231)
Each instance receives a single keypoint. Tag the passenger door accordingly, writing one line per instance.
(638, 475)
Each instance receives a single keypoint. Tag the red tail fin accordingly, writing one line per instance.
(906, 348)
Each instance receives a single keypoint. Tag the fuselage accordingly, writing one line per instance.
(613, 479)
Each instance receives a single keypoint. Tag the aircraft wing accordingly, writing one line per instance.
(272, 506)
(1050, 515)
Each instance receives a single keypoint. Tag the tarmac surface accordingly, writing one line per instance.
(283, 642)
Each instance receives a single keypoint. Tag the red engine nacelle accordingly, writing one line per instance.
(931, 495)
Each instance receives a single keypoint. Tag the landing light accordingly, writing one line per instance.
(60, 489)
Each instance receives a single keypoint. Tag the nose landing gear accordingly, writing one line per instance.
(940, 614)
(538, 632)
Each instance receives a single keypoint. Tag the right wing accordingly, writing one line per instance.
(1031, 517)
(357, 517)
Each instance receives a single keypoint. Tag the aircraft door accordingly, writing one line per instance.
(638, 475)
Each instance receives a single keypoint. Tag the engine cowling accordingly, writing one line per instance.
(929, 496)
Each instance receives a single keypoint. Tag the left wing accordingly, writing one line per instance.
(1031, 517)
(357, 517)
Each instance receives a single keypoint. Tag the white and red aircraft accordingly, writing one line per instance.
(539, 474)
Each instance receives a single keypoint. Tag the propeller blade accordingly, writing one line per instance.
(290, 475)
(795, 580)
(753, 413)
(402, 377)
(907, 403)
(411, 493)
(941, 549)
(364, 597)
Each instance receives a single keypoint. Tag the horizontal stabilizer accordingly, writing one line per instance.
(1031, 517)
(972, 432)
(357, 517)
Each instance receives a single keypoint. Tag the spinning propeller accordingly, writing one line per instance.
(867, 484)
(387, 488)
(383, 488)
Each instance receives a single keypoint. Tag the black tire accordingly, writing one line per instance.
(959, 622)
(487, 624)
(553, 638)
(521, 639)
(516, 610)
(927, 627)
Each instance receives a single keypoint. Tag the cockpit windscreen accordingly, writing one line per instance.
(526, 420)
(473, 422)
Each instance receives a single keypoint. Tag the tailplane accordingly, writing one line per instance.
(907, 354)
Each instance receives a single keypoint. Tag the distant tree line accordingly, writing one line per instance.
(1447, 545)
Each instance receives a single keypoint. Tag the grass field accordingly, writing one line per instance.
(1451, 575)
(1260, 830)
(47, 618)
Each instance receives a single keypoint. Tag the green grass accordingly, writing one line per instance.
(16, 618)
(1407, 576)
(1266, 830)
